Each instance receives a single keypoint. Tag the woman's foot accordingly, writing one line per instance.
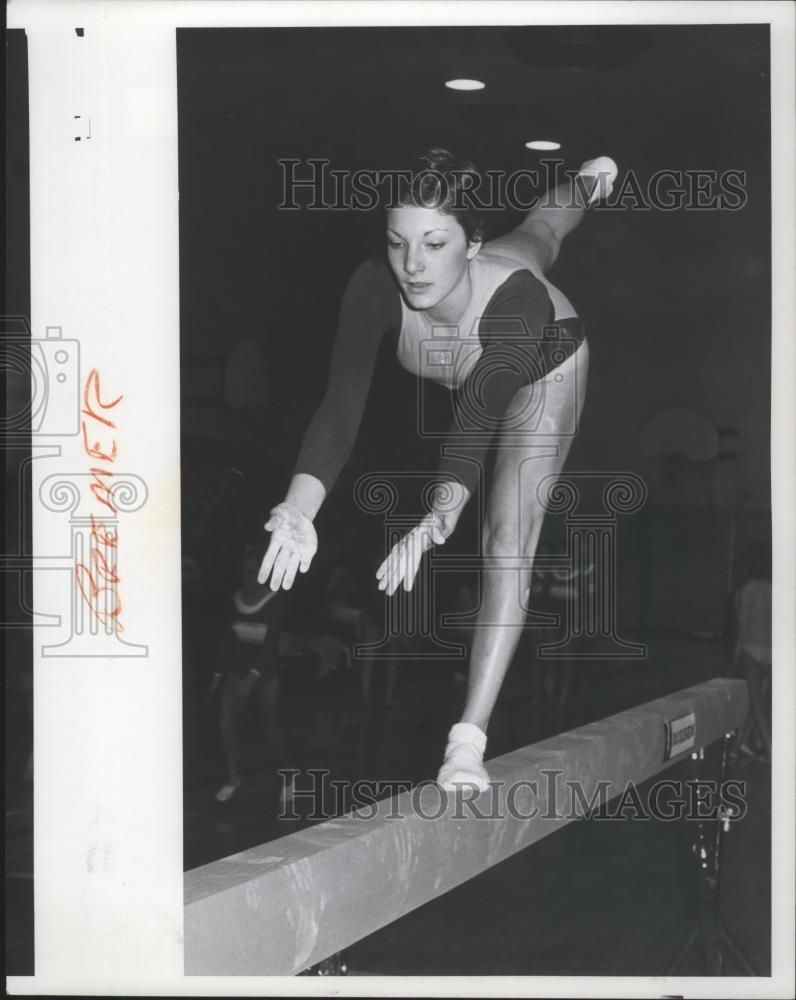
(605, 170)
(225, 793)
(464, 755)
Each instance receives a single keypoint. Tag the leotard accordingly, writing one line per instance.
(506, 339)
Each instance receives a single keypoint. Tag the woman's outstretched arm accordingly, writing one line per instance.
(365, 314)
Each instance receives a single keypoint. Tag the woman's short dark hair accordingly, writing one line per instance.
(448, 183)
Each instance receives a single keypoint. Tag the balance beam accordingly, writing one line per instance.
(284, 906)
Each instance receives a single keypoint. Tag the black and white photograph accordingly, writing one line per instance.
(401, 585)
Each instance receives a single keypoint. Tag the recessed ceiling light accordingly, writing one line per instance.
(465, 84)
(545, 144)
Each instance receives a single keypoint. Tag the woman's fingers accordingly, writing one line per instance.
(402, 563)
(417, 554)
(414, 556)
(281, 564)
(388, 582)
(407, 562)
(384, 572)
(290, 572)
(411, 571)
(405, 559)
(400, 567)
(292, 547)
(268, 560)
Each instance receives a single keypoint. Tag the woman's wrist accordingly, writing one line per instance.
(306, 493)
(448, 501)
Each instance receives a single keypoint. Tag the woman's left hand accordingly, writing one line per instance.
(402, 563)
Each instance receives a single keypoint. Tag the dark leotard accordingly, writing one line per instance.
(251, 641)
(521, 343)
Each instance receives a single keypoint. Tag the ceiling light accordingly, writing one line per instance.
(545, 144)
(465, 84)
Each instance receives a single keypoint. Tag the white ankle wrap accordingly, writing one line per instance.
(464, 754)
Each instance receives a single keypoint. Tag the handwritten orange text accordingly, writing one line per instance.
(98, 581)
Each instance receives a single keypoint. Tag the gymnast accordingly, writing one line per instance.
(516, 361)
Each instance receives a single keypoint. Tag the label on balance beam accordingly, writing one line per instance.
(680, 735)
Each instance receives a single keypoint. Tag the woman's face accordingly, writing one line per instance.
(428, 252)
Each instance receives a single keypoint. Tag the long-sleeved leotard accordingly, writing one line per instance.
(519, 344)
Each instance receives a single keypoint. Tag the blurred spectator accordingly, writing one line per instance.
(248, 662)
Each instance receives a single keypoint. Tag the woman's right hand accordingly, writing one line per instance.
(292, 547)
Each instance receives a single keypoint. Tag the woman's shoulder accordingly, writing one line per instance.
(522, 280)
(371, 293)
(517, 291)
(507, 272)
(374, 274)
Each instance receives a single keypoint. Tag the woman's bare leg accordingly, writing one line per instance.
(536, 242)
(511, 530)
(515, 514)
(515, 511)
(512, 526)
